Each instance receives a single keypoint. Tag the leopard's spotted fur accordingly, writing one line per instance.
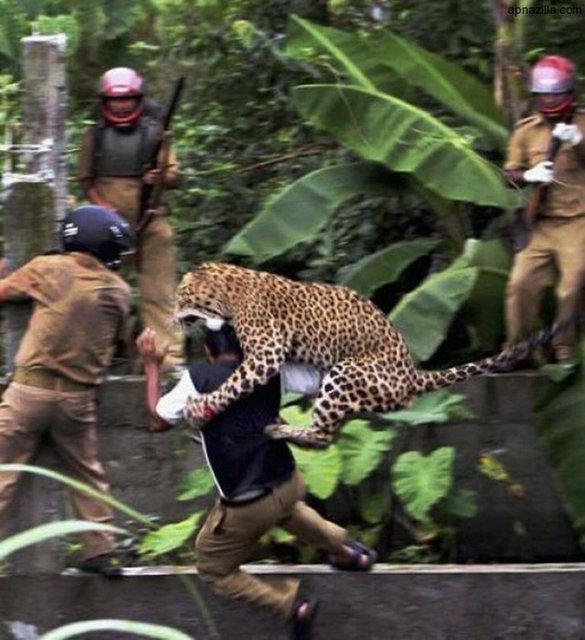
(367, 363)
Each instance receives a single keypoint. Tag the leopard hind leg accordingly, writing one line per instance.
(365, 384)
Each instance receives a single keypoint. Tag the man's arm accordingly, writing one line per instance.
(15, 287)
(152, 356)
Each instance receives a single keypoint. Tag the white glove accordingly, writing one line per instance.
(542, 172)
(568, 133)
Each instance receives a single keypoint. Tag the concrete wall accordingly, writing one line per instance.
(448, 603)
(146, 469)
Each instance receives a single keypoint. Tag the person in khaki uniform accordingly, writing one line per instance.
(112, 170)
(556, 247)
(258, 483)
(80, 306)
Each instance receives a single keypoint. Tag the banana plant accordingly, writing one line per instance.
(372, 109)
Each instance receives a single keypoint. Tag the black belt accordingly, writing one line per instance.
(242, 503)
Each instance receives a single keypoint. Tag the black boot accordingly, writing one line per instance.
(106, 564)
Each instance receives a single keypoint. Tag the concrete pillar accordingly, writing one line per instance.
(34, 198)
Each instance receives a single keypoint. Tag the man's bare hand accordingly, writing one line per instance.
(149, 350)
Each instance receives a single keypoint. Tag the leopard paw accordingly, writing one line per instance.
(198, 412)
(276, 431)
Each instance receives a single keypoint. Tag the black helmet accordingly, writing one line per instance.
(98, 231)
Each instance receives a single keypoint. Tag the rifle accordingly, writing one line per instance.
(150, 193)
(537, 196)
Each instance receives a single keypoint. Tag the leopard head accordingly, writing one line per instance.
(207, 293)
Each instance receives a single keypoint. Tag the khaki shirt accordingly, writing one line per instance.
(80, 308)
(121, 192)
(528, 146)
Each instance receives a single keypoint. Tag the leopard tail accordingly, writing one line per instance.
(506, 360)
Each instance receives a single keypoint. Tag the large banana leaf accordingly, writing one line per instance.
(447, 83)
(302, 209)
(483, 311)
(385, 266)
(406, 139)
(561, 422)
(370, 63)
(423, 315)
(347, 54)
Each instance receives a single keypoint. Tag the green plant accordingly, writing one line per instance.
(142, 629)
(60, 528)
(363, 450)
(424, 486)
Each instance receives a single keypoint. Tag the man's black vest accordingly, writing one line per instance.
(124, 152)
(242, 458)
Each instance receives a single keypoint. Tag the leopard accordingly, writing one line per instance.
(365, 362)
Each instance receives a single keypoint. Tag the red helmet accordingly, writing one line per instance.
(121, 82)
(555, 74)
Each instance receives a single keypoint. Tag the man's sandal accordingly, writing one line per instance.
(301, 624)
(356, 561)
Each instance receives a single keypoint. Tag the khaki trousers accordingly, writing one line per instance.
(230, 535)
(26, 413)
(556, 252)
(157, 283)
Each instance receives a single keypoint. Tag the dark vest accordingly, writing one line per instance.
(124, 152)
(241, 457)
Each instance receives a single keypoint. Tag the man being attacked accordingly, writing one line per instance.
(256, 477)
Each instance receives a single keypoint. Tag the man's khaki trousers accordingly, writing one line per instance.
(555, 253)
(26, 413)
(157, 282)
(230, 535)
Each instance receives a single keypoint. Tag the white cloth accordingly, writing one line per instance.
(294, 378)
(542, 172)
(568, 133)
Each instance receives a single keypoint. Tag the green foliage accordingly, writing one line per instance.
(384, 267)
(46, 531)
(560, 423)
(169, 537)
(58, 528)
(435, 407)
(369, 61)
(321, 470)
(81, 487)
(303, 209)
(405, 138)
(362, 449)
(424, 315)
(198, 483)
(142, 629)
(421, 481)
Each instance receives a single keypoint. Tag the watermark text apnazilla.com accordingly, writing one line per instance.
(547, 10)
